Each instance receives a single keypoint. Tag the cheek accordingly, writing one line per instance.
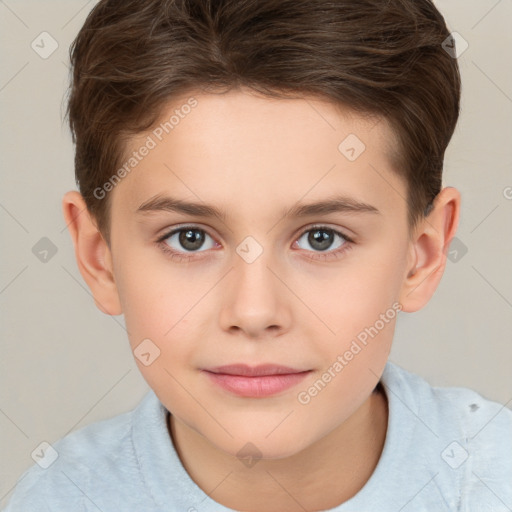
(363, 342)
(163, 304)
(154, 293)
(147, 310)
(353, 298)
(360, 308)
(156, 308)
(353, 360)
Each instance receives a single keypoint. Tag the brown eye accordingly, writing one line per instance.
(322, 238)
(191, 239)
(186, 239)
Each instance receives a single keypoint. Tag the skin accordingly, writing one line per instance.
(252, 156)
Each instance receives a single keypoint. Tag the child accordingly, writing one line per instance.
(254, 130)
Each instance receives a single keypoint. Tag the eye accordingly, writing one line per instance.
(321, 238)
(187, 239)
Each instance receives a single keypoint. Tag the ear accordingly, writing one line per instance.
(92, 253)
(428, 250)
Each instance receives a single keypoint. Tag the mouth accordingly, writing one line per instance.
(255, 381)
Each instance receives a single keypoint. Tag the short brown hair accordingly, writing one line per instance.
(132, 57)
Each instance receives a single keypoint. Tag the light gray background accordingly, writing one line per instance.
(65, 364)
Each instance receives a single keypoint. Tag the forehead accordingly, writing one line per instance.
(243, 148)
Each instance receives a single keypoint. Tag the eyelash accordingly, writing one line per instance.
(322, 256)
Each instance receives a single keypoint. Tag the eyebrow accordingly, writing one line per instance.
(335, 204)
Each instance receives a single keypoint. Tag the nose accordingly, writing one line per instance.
(254, 301)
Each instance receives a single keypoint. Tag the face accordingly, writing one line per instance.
(263, 280)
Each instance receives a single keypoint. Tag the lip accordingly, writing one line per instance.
(255, 381)
(244, 370)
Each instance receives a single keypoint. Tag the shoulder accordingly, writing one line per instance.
(87, 464)
(458, 409)
(470, 439)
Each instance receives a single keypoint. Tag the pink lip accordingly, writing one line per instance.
(255, 381)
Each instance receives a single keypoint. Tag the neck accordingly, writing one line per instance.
(324, 475)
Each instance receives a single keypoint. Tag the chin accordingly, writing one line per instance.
(262, 447)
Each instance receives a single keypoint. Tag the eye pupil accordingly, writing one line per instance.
(324, 240)
(193, 236)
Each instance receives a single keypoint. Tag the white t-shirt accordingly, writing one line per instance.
(446, 449)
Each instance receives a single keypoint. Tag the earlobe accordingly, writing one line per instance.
(92, 253)
(429, 249)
